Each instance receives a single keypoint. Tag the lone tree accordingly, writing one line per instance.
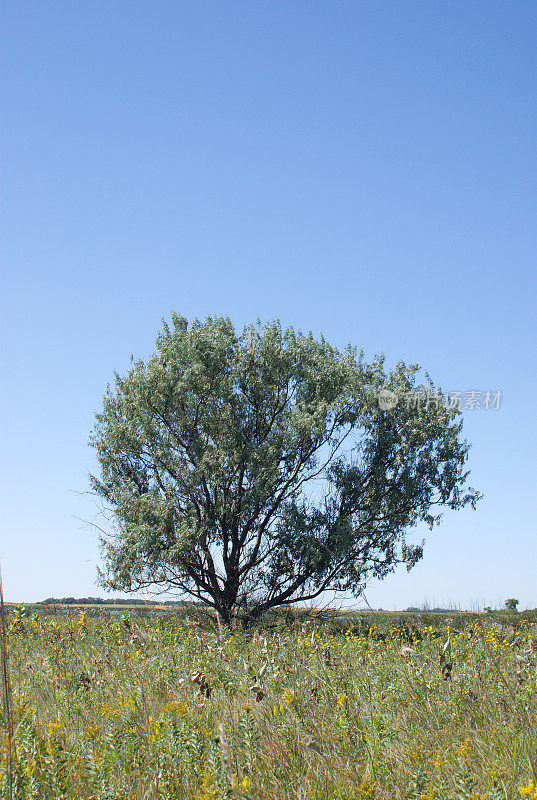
(257, 470)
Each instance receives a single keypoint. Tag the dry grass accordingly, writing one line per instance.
(145, 707)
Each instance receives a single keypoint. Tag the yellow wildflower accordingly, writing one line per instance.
(92, 731)
(365, 789)
(465, 748)
(209, 789)
(30, 768)
(56, 734)
(155, 726)
(495, 772)
(440, 760)
(174, 707)
(288, 696)
(417, 754)
(430, 793)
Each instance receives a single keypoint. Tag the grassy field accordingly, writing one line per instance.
(144, 706)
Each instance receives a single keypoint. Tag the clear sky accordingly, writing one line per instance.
(363, 169)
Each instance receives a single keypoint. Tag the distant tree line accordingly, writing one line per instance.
(118, 601)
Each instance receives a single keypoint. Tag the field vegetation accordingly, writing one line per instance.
(142, 705)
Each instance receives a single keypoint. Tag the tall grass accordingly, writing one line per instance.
(6, 696)
(168, 707)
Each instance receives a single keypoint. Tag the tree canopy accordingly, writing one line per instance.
(257, 470)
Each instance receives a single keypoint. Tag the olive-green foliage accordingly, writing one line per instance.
(251, 471)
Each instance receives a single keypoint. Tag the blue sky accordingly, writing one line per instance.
(366, 170)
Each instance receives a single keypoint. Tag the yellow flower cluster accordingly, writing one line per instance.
(288, 696)
(529, 791)
(287, 699)
(418, 754)
(174, 707)
(440, 760)
(115, 709)
(154, 728)
(495, 772)
(92, 731)
(244, 784)
(54, 729)
(365, 788)
(56, 733)
(430, 793)
(209, 789)
(465, 748)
